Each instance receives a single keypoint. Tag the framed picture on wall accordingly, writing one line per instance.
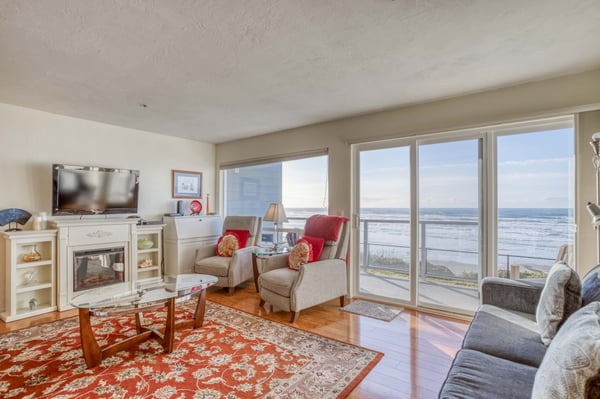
(186, 184)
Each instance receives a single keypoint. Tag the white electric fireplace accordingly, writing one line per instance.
(92, 253)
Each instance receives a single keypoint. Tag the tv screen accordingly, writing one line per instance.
(90, 190)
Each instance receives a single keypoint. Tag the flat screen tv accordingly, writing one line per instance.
(90, 190)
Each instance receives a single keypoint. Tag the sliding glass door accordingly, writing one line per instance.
(450, 230)
(435, 214)
(385, 223)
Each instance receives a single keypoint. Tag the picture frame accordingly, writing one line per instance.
(186, 184)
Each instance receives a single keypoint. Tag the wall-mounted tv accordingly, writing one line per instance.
(91, 190)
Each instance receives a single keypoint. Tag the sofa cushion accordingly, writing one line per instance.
(213, 265)
(560, 297)
(479, 375)
(242, 236)
(571, 366)
(279, 281)
(316, 244)
(506, 334)
(590, 286)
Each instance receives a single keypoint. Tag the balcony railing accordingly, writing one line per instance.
(506, 261)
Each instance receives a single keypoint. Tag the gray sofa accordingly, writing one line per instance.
(503, 349)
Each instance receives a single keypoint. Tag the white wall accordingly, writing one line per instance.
(570, 94)
(31, 141)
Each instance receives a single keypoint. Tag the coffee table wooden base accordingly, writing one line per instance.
(94, 355)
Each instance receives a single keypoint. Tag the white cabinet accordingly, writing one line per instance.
(185, 234)
(29, 265)
(148, 249)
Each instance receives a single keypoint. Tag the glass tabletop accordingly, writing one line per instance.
(122, 295)
(270, 251)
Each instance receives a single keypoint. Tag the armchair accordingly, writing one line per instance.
(314, 283)
(231, 271)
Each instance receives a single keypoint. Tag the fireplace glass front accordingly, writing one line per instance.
(98, 267)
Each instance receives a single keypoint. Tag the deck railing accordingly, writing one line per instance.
(425, 251)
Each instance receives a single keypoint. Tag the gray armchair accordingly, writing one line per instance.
(231, 271)
(315, 282)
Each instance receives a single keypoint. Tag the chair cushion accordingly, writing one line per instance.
(301, 254)
(506, 334)
(571, 366)
(590, 286)
(324, 226)
(477, 375)
(560, 297)
(228, 243)
(242, 236)
(213, 265)
(317, 246)
(279, 281)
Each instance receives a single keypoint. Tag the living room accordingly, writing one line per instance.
(66, 111)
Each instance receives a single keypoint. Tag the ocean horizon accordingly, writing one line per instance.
(525, 235)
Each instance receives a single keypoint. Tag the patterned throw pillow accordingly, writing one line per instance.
(242, 236)
(570, 367)
(301, 254)
(228, 243)
(560, 297)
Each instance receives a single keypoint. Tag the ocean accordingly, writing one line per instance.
(451, 235)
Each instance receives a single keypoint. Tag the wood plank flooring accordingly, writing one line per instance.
(418, 347)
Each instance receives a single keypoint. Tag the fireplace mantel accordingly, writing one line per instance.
(86, 234)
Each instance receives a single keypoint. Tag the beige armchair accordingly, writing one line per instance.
(231, 271)
(315, 282)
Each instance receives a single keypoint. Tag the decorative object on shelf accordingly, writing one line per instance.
(145, 243)
(29, 278)
(275, 214)
(14, 215)
(33, 304)
(145, 263)
(32, 256)
(195, 207)
(186, 184)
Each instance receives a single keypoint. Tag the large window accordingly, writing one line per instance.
(300, 185)
(439, 212)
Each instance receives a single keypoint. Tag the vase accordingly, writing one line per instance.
(145, 243)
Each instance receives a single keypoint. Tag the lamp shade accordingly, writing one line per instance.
(275, 214)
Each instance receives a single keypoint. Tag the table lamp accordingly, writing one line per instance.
(275, 214)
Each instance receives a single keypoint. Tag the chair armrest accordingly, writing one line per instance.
(319, 282)
(272, 262)
(521, 296)
(205, 252)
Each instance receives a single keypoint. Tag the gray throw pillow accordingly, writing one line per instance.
(560, 297)
(590, 286)
(570, 368)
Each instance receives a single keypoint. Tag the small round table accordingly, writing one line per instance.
(260, 252)
(120, 299)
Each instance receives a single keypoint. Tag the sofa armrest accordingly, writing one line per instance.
(520, 296)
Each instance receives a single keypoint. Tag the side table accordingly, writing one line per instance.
(263, 252)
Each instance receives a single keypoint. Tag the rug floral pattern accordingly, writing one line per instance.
(234, 355)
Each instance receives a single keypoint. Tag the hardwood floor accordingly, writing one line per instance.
(418, 347)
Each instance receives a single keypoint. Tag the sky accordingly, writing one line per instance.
(534, 171)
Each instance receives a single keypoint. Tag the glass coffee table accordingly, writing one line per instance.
(120, 299)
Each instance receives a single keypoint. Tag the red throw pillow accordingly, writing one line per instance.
(242, 236)
(317, 244)
(324, 226)
(300, 255)
(228, 243)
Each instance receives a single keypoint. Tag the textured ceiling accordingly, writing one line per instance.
(218, 70)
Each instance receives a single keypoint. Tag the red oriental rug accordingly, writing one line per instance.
(234, 355)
